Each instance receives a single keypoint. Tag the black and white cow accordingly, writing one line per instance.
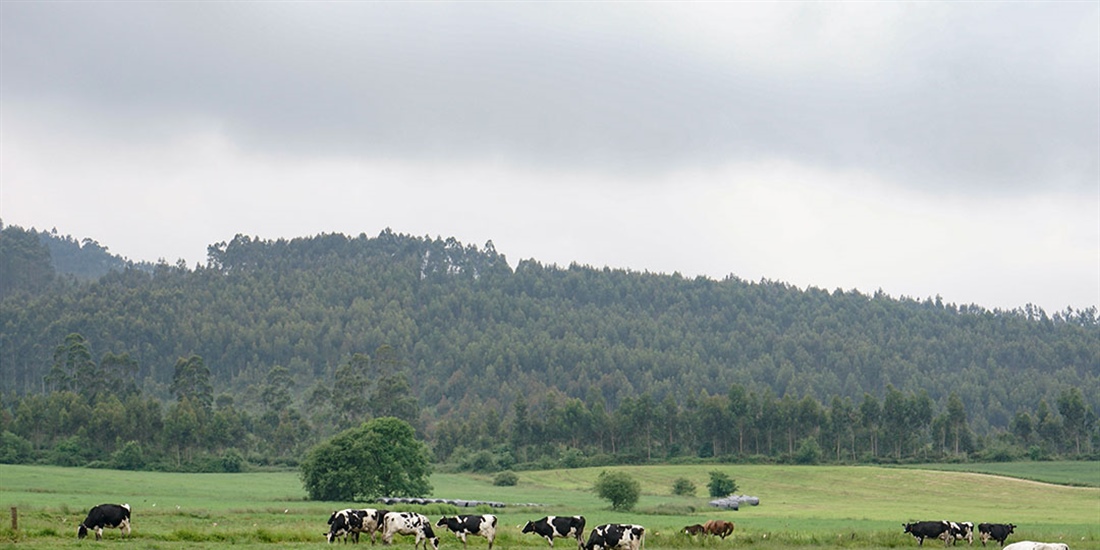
(558, 526)
(927, 530)
(481, 526)
(615, 536)
(996, 531)
(113, 516)
(409, 523)
(370, 522)
(960, 530)
(343, 523)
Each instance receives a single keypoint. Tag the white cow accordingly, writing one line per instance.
(1029, 545)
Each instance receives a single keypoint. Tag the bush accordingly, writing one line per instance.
(809, 452)
(232, 461)
(480, 461)
(506, 478)
(618, 488)
(721, 484)
(71, 451)
(572, 458)
(14, 449)
(683, 487)
(129, 457)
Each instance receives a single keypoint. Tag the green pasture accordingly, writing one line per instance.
(1080, 473)
(801, 507)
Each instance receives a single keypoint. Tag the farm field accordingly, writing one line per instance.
(801, 507)
(1080, 473)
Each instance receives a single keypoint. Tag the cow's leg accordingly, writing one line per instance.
(125, 527)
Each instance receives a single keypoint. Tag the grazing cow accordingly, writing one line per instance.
(615, 536)
(113, 516)
(961, 530)
(718, 528)
(370, 522)
(558, 526)
(927, 529)
(343, 523)
(481, 526)
(695, 530)
(1029, 545)
(996, 531)
(409, 523)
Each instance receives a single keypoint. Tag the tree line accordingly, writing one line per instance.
(453, 338)
(95, 415)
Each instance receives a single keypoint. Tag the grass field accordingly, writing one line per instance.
(1079, 473)
(801, 507)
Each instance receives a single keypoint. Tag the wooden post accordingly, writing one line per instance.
(14, 518)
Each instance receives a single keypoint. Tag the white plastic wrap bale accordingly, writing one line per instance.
(729, 503)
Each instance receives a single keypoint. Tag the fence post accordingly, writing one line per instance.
(14, 518)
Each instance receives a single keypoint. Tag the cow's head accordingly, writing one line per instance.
(442, 521)
(528, 527)
(81, 531)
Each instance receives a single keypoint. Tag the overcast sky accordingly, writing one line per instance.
(923, 149)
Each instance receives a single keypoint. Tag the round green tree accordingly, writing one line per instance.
(621, 490)
(683, 487)
(720, 484)
(380, 458)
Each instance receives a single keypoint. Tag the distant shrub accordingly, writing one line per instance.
(129, 457)
(618, 488)
(720, 484)
(14, 449)
(71, 451)
(997, 453)
(809, 452)
(683, 487)
(572, 458)
(1037, 453)
(232, 461)
(506, 478)
(480, 461)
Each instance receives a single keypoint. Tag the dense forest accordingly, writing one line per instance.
(273, 344)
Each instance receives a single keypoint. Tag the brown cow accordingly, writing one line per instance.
(695, 530)
(719, 528)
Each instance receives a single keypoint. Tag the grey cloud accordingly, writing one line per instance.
(989, 97)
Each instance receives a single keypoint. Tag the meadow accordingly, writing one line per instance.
(801, 506)
(1080, 473)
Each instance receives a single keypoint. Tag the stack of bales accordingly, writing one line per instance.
(734, 502)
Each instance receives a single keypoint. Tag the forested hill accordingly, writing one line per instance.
(470, 331)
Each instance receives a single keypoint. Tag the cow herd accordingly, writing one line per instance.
(951, 532)
(351, 522)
